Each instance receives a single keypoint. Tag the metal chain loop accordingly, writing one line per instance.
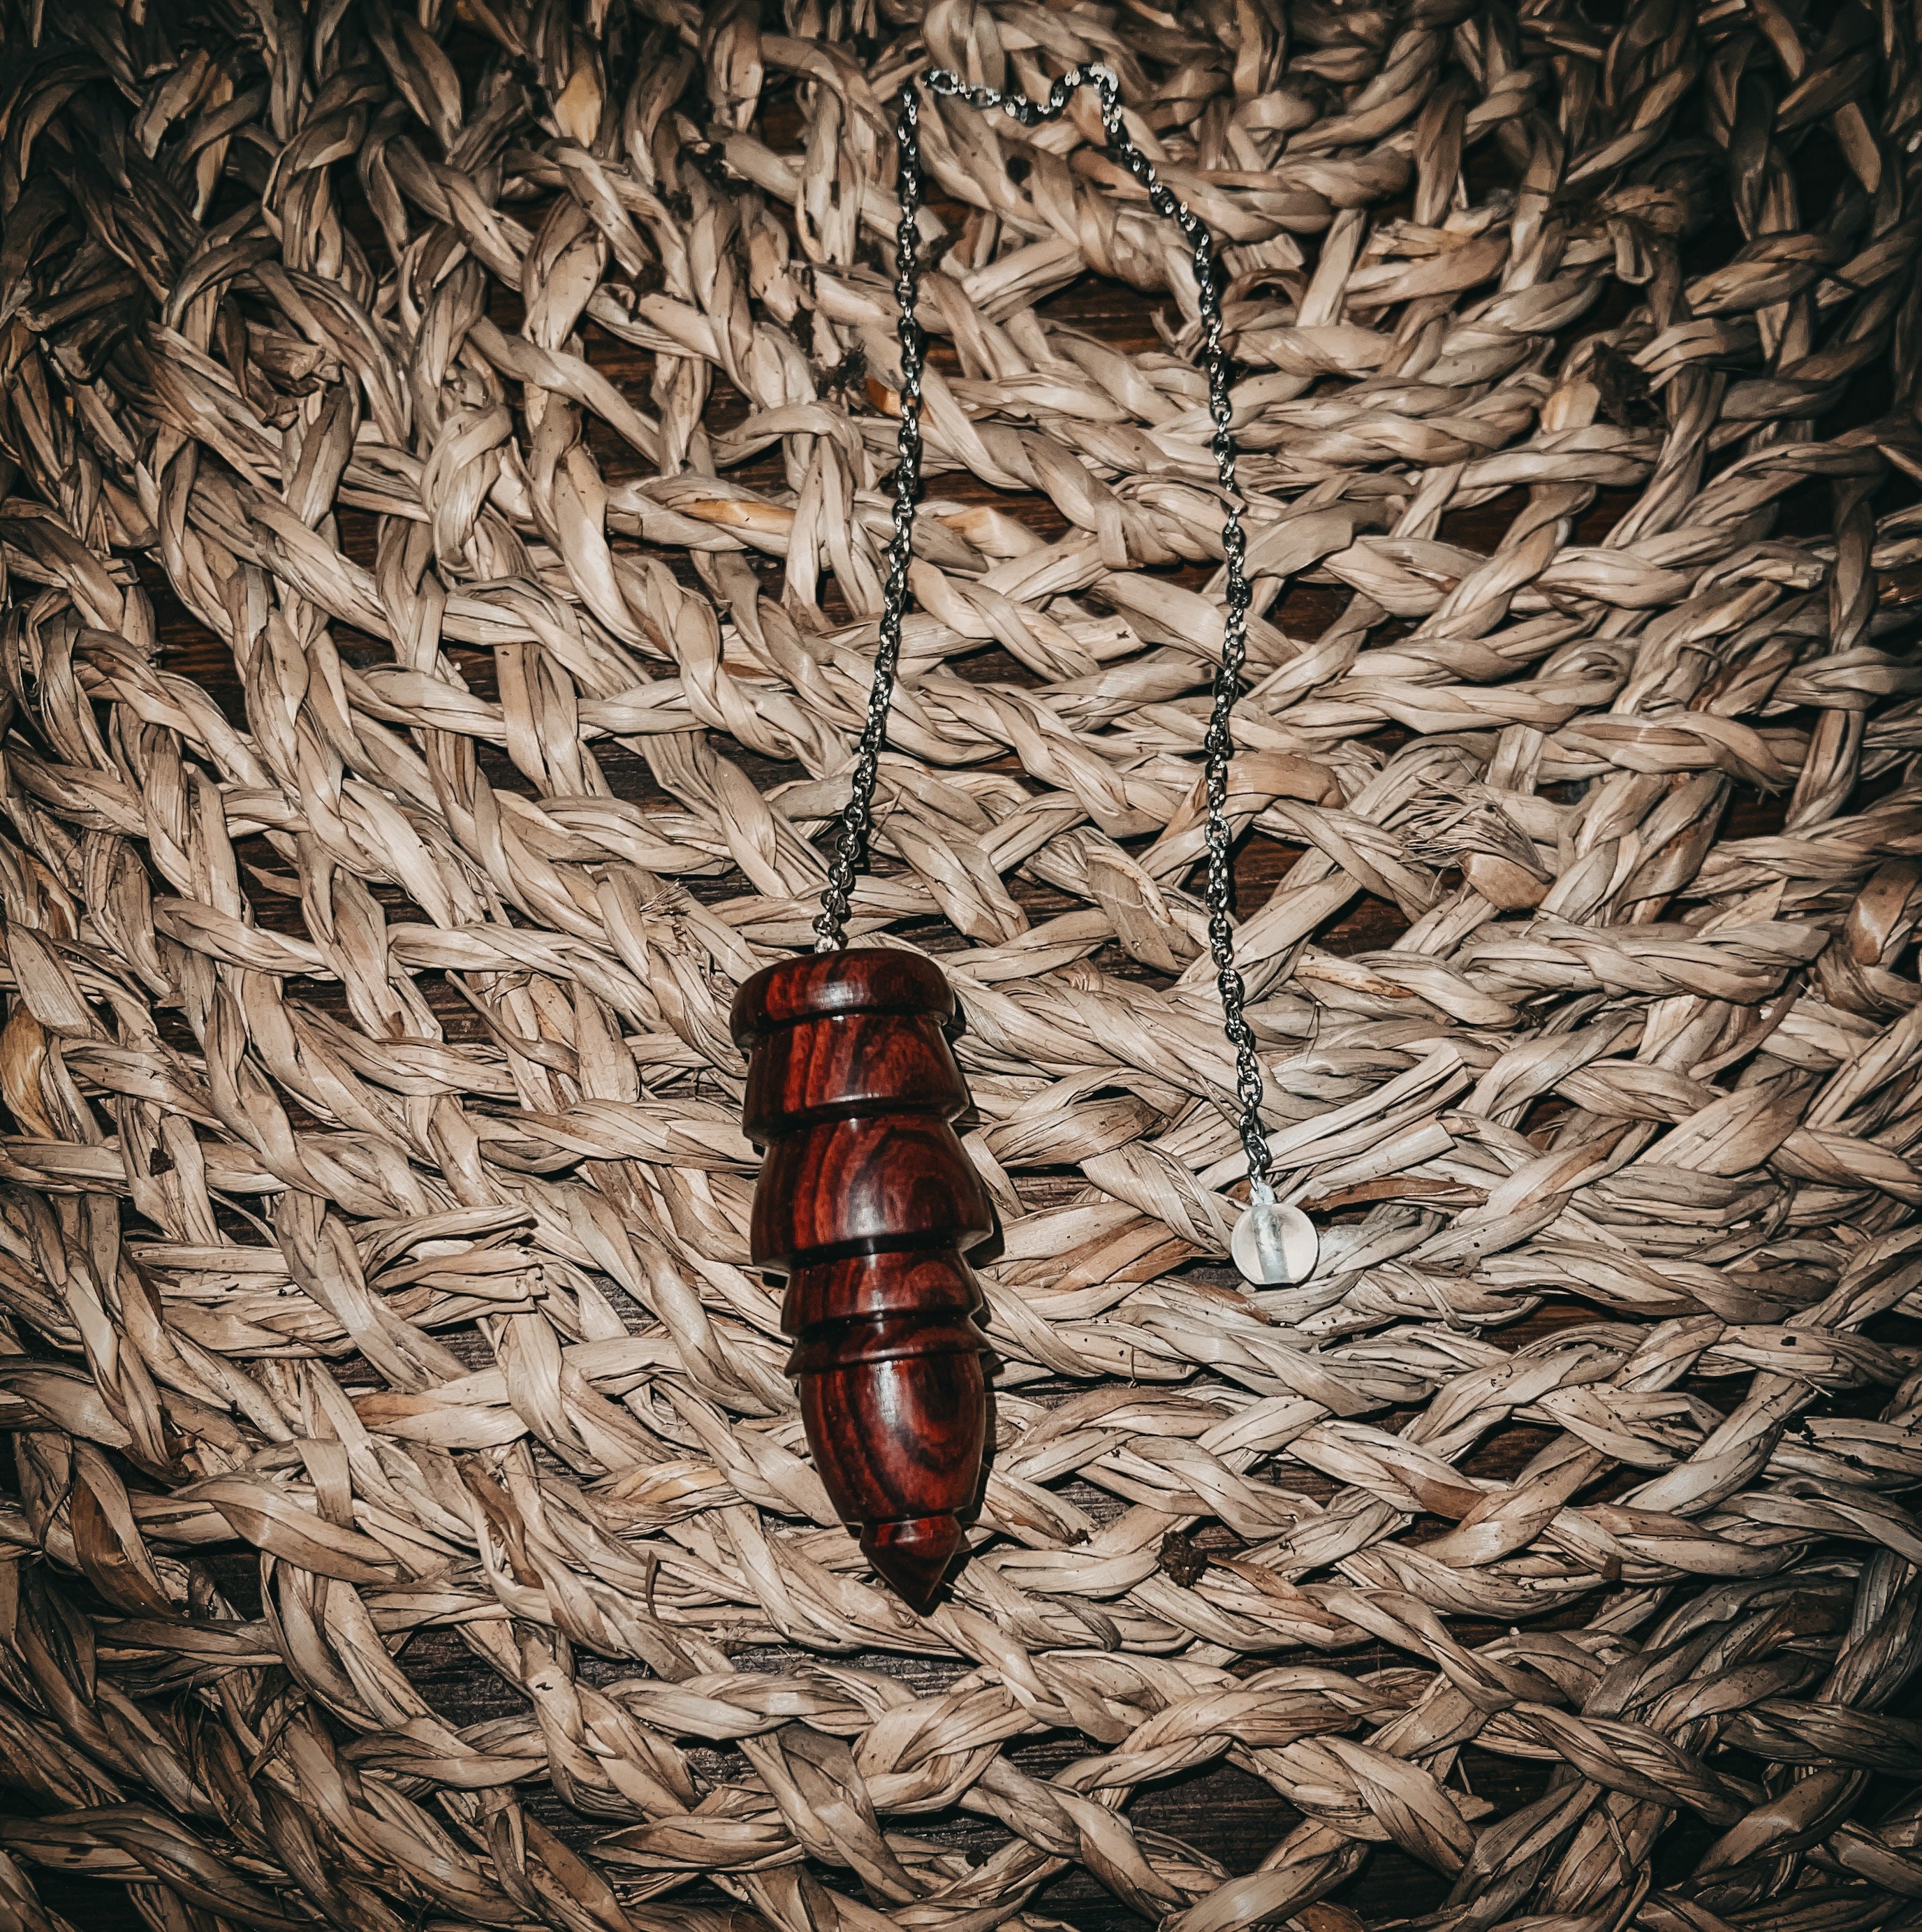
(851, 841)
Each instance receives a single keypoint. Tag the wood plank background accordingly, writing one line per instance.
(1219, 1811)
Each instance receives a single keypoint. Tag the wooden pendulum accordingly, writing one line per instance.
(867, 1202)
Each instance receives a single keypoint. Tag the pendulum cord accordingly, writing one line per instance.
(867, 1201)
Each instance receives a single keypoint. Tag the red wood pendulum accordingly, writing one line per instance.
(867, 1202)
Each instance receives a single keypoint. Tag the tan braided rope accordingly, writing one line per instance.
(372, 1203)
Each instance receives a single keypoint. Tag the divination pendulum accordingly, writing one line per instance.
(867, 1202)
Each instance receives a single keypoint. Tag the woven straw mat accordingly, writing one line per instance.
(445, 456)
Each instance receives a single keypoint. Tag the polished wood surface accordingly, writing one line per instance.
(866, 1202)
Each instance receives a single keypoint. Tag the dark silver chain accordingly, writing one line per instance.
(856, 821)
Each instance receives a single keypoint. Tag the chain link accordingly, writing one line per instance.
(851, 841)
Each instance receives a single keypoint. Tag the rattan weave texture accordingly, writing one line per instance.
(373, 1201)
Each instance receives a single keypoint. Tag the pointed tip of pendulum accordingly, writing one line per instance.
(912, 1557)
(1274, 1244)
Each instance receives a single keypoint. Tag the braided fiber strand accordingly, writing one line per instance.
(372, 1211)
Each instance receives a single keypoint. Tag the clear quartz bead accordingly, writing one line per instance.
(1274, 1244)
